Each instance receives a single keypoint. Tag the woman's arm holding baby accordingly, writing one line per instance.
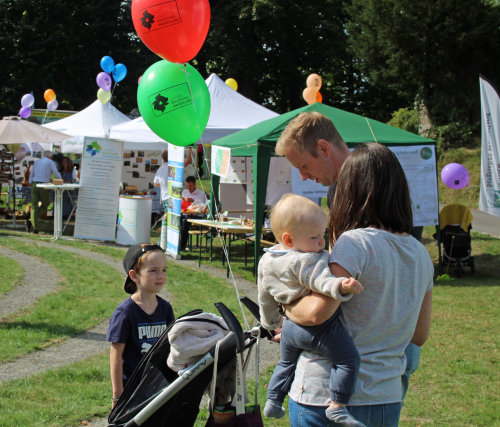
(314, 309)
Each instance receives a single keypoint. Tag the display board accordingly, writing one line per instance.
(98, 196)
(175, 186)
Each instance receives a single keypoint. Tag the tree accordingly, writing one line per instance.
(271, 46)
(429, 50)
(56, 44)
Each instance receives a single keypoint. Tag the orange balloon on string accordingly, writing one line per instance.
(49, 95)
(309, 95)
(319, 97)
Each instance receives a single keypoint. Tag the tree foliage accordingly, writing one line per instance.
(375, 56)
(58, 44)
(433, 50)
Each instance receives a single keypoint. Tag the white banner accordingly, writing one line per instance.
(97, 209)
(489, 196)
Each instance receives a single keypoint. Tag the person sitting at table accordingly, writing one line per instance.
(68, 173)
(194, 197)
(41, 172)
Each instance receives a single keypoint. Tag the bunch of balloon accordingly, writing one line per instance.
(27, 102)
(172, 96)
(50, 98)
(104, 80)
(311, 93)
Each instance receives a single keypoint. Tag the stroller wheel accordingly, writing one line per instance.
(459, 269)
(472, 264)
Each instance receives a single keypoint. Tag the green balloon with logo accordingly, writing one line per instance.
(174, 102)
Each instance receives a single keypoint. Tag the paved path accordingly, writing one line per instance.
(92, 341)
(485, 223)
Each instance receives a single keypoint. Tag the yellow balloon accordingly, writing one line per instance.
(103, 95)
(232, 83)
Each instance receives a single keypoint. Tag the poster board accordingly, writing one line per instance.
(175, 187)
(98, 196)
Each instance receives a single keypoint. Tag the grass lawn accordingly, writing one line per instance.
(457, 383)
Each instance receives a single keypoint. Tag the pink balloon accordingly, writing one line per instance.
(455, 176)
(25, 112)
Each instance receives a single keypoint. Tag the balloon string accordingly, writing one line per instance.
(46, 112)
(221, 240)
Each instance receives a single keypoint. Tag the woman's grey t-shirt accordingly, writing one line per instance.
(396, 272)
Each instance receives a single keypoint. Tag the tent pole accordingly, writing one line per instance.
(261, 162)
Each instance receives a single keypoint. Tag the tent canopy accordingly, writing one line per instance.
(95, 121)
(229, 112)
(259, 141)
(353, 128)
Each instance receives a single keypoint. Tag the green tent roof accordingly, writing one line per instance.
(353, 128)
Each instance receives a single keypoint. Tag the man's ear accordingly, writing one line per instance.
(323, 148)
(287, 239)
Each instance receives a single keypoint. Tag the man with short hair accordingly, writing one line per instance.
(41, 172)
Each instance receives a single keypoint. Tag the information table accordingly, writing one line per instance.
(58, 205)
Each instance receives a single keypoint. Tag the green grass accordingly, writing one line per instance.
(12, 273)
(457, 382)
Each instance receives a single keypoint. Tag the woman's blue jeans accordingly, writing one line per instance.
(386, 415)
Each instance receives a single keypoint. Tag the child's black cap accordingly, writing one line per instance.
(130, 260)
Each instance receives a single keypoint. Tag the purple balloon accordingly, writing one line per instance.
(104, 81)
(25, 112)
(455, 176)
(52, 105)
(27, 100)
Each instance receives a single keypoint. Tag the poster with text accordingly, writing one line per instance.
(419, 165)
(175, 187)
(98, 197)
(220, 160)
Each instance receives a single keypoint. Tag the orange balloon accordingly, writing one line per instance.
(319, 97)
(49, 95)
(314, 81)
(309, 95)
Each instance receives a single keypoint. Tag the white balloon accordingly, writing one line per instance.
(52, 105)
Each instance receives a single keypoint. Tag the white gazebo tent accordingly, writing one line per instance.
(94, 121)
(229, 112)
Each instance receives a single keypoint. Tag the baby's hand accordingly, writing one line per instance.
(351, 286)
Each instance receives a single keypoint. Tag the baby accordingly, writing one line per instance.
(288, 271)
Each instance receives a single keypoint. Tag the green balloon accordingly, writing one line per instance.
(174, 102)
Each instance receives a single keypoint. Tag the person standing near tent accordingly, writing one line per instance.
(41, 172)
(313, 145)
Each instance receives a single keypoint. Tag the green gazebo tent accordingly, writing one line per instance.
(258, 141)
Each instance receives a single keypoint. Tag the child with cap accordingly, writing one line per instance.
(138, 322)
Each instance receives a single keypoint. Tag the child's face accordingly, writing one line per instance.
(310, 237)
(153, 273)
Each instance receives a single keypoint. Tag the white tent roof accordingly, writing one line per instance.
(94, 121)
(229, 112)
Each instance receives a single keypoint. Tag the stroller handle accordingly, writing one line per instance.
(233, 325)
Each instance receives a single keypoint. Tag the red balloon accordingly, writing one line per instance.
(174, 29)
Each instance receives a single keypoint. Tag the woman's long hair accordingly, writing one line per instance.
(371, 192)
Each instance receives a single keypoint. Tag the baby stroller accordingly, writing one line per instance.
(155, 395)
(455, 225)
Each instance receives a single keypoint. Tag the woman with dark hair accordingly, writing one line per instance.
(370, 222)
